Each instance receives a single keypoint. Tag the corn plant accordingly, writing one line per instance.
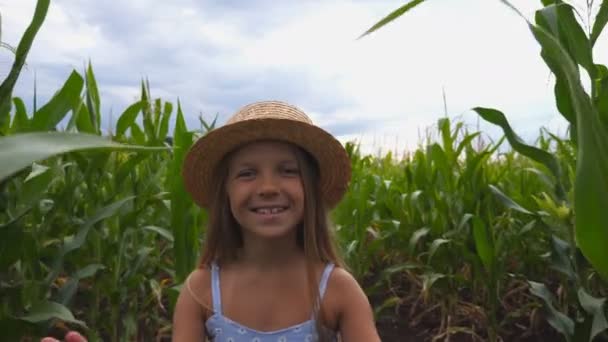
(565, 47)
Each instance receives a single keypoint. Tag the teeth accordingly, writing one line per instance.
(269, 210)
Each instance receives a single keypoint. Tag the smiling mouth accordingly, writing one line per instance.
(269, 210)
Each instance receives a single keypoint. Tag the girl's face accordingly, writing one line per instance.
(265, 189)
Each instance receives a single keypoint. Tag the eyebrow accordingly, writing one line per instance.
(251, 164)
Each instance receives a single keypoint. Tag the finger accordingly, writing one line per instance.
(74, 336)
(49, 339)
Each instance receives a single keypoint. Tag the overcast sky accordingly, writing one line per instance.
(216, 56)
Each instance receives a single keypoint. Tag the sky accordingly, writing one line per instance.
(385, 90)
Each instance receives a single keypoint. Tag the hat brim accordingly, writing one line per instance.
(204, 156)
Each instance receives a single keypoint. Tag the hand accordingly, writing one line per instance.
(71, 336)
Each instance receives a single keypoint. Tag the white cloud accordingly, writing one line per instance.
(216, 57)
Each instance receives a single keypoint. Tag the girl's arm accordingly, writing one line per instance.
(355, 317)
(190, 313)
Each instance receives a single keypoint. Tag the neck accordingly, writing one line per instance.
(265, 253)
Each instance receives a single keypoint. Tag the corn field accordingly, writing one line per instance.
(454, 241)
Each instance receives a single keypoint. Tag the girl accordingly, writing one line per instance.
(269, 270)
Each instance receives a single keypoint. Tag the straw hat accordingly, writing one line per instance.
(268, 120)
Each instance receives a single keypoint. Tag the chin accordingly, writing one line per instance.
(272, 232)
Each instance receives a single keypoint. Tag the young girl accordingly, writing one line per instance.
(269, 270)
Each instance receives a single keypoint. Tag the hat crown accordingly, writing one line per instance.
(269, 110)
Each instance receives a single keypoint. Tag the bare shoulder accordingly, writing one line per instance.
(193, 307)
(199, 286)
(349, 305)
(341, 277)
(342, 288)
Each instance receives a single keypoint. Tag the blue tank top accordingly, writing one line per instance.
(221, 328)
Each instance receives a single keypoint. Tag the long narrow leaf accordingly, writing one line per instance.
(183, 245)
(484, 243)
(6, 88)
(569, 33)
(600, 21)
(49, 115)
(127, 118)
(21, 150)
(498, 118)
(21, 122)
(92, 98)
(46, 310)
(507, 201)
(393, 15)
(557, 319)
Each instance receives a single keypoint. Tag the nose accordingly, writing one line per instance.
(268, 186)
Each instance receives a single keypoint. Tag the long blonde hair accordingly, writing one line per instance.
(224, 238)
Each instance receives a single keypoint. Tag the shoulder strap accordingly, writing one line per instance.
(216, 295)
(324, 279)
(193, 294)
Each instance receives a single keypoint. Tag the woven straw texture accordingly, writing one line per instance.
(269, 120)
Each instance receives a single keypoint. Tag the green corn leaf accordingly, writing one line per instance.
(466, 141)
(435, 245)
(429, 279)
(416, 236)
(558, 320)
(80, 120)
(498, 118)
(446, 137)
(46, 310)
(591, 183)
(49, 115)
(148, 123)
(507, 201)
(396, 269)
(84, 123)
(6, 88)
(160, 231)
(21, 122)
(36, 184)
(564, 103)
(183, 230)
(439, 158)
(542, 176)
(69, 289)
(92, 98)
(560, 258)
(157, 113)
(600, 21)
(392, 16)
(88, 271)
(138, 134)
(21, 150)
(594, 307)
(602, 99)
(163, 128)
(464, 220)
(127, 118)
(484, 243)
(569, 33)
(388, 303)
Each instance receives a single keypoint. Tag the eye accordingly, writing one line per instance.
(246, 173)
(291, 170)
